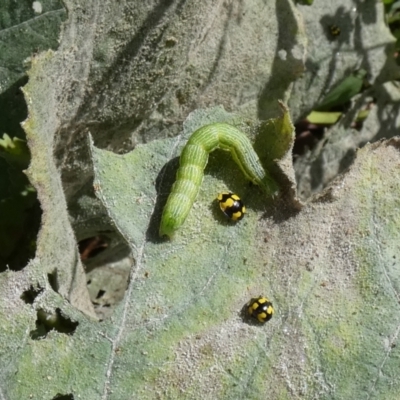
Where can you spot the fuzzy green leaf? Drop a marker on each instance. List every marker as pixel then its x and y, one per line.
pixel 133 75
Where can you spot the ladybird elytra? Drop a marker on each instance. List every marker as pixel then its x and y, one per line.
pixel 231 205
pixel 334 30
pixel 260 308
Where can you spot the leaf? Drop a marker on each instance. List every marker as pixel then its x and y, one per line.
pixel 132 76
pixel 25 28
pixel 221 268
pixel 329 270
pixel 325 118
pixel 343 92
pixel 56 261
pixel 15 151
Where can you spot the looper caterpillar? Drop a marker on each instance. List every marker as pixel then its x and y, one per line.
pixel 193 160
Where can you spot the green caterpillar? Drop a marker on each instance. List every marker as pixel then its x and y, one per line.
pixel 194 158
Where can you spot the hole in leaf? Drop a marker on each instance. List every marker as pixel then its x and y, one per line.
pixel 52 321
pixel 60 396
pixel 91 247
pixel 53 280
pixel 107 262
pixel 307 136
pixel 29 296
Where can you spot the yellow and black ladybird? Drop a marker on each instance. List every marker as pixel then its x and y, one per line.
pixel 334 30
pixel 231 206
pixel 260 308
